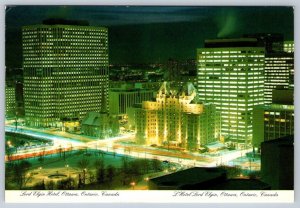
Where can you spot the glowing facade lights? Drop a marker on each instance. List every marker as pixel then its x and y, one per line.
pixel 65 72
pixel 234 83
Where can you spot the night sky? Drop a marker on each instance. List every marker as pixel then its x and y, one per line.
pixel 153 34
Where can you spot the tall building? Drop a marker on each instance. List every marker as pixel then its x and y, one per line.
pixel 65 71
pixel 288 46
pixel 279 72
pixel 125 96
pixel 177 119
pixel 272 42
pixel 272 122
pixel 231 76
pixel 10 100
pixel 279 61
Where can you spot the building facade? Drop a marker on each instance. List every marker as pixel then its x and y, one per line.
pixel 272 122
pixel 231 76
pixel 65 72
pixel 279 72
pixel 120 99
pixel 277 163
pixel 177 119
pixel 100 125
pixel 10 100
pixel 288 46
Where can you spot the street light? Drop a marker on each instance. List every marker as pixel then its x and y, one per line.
pixel 132 184
pixel 67 166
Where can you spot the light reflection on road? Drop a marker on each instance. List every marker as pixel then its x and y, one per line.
pixel 115 146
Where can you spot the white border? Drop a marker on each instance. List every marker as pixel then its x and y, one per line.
pixel 141 2
pixel 150 196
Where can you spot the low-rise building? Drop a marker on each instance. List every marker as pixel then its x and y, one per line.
pixel 125 96
pixel 100 125
pixel 272 122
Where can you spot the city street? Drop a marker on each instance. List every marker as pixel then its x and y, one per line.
pixel 64 141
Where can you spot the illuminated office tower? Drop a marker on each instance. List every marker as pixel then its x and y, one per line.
pixel 65 71
pixel 10 100
pixel 231 76
pixel 177 119
pixel 279 72
pixel 288 46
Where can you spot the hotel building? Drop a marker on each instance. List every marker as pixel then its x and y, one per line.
pixel 65 71
pixel 177 119
pixel 231 76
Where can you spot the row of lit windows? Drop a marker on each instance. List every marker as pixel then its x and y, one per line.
pixel 230 51
pixel 34 28
pixel 27 41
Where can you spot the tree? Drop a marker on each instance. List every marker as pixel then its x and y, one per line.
pixel 83 164
pixel 9 152
pixel 66 184
pixel 111 171
pixel 20 173
pixel 92 177
pixel 100 171
pixel 145 165
pixel 39 186
pixel 156 165
pixel 50 185
pixel 232 172
pixel 124 164
pixel 41 158
pixel 60 150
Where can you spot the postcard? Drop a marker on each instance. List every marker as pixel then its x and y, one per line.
pixel 187 104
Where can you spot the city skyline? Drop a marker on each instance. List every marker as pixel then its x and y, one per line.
pixel 149 98
pixel 157 33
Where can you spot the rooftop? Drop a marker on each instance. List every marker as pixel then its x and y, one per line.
pixel 240 184
pixel 189 176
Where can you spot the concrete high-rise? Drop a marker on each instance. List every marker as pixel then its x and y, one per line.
pixel 231 76
pixel 65 71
